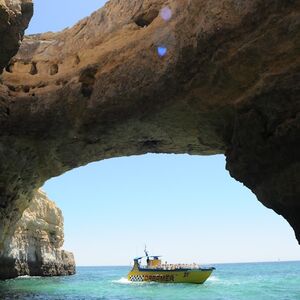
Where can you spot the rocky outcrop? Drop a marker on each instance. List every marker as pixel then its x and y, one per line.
pixel 198 77
pixel 14 19
pixel 35 247
pixel 264 152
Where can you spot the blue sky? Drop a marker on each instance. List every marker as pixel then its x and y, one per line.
pixel 54 15
pixel 185 207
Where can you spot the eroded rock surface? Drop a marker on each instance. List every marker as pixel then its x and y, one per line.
pixel 225 80
pixel 35 247
pixel 14 19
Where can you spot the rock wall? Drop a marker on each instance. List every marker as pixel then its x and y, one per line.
pixel 162 76
pixel 35 247
pixel 14 19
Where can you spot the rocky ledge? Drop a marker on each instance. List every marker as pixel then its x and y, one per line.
pixel 35 246
pixel 163 76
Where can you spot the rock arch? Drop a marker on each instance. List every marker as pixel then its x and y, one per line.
pixel 229 83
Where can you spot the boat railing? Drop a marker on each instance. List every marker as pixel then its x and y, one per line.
pixel 172 267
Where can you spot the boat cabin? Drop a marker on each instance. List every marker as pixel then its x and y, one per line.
pixel 153 262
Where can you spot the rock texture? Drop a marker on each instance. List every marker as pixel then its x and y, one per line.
pixel 163 76
pixel 35 247
pixel 14 19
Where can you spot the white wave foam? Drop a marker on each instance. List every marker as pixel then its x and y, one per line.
pixel 213 278
pixel 123 280
pixel 28 277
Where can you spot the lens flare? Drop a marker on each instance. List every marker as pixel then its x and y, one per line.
pixel 162 51
pixel 166 13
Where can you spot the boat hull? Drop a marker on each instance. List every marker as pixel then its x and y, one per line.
pixel 171 276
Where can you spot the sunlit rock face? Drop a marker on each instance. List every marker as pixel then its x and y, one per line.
pixel 35 247
pixel 14 18
pixel 198 77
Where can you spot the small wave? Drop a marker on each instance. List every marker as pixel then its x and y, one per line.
pixel 213 278
pixel 123 280
pixel 28 277
pixel 224 281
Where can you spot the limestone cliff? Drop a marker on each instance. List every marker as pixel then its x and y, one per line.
pixel 227 81
pixel 35 247
pixel 14 19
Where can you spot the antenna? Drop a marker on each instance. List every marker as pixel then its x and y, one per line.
pixel 146 252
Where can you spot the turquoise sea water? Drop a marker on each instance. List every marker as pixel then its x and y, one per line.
pixel 255 281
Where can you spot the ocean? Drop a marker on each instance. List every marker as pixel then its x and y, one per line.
pixel 249 281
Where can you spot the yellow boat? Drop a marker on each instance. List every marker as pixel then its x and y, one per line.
pixel 171 273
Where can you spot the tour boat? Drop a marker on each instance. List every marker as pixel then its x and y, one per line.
pixel 156 271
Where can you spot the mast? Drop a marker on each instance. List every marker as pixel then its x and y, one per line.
pixel 146 252
pixel 147 255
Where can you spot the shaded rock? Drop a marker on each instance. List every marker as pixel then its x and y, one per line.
pixel 227 81
pixel 264 152
pixel 14 19
pixel 35 247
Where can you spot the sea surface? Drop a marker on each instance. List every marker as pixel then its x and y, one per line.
pixel 255 281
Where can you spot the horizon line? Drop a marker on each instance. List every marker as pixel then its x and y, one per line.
pixel 218 263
